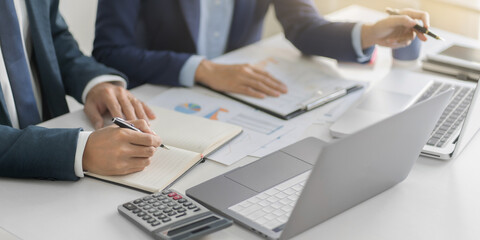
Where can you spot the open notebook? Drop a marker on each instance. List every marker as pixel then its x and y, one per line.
pixel 189 139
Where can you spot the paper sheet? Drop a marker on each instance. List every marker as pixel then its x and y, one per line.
pixel 304 79
pixel 258 127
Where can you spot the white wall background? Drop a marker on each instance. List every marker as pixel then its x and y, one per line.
pixel 80 16
pixel 463 15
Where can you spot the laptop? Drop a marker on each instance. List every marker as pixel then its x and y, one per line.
pixel 306 183
pixel 458 123
pixel 393 95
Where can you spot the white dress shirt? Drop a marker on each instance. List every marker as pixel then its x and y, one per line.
pixel 214 29
pixel 22 15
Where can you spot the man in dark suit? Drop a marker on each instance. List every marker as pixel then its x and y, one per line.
pixel 169 42
pixel 39 63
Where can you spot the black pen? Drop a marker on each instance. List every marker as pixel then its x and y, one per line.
pixel 417 27
pixel 124 124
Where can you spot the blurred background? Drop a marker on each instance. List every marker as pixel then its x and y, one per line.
pixel 458 16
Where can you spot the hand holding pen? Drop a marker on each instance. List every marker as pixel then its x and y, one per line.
pixel 124 124
pixel 422 29
pixel 395 31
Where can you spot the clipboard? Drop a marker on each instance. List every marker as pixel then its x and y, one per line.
pixel 311 103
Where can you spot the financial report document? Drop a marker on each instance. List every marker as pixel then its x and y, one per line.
pixel 306 85
pixel 306 80
pixel 258 127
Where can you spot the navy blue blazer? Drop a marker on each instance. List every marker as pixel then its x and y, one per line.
pixel 150 40
pixel 36 152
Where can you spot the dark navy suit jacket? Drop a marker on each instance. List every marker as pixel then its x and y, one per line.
pixel 150 40
pixel 36 152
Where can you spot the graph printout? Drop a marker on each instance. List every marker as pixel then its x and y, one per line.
pixel 258 128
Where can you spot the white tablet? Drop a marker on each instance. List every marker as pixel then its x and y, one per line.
pixel 463 56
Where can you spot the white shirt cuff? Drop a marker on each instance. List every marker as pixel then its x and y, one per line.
pixel 362 56
pixel 187 73
pixel 82 141
pixel 117 80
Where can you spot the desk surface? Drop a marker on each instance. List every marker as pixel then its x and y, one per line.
pixel 439 200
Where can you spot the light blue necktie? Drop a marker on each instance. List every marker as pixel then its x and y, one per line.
pixel 16 64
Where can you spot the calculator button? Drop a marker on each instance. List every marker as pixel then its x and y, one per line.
pixel 172 194
pixel 142 204
pixel 137 210
pixel 141 214
pixel 192 207
pixel 177 197
pixel 181 210
pixel 167 219
pixel 147 207
pixel 147 198
pixel 162 216
pixel 177 207
pixel 163 207
pixel 196 210
pixel 161 197
pixel 152 210
pixel 165 192
pixel 156 195
pixel 151 220
pixel 167 210
pixel 182 200
pixel 146 217
pixel 151 201
pixel 155 223
pixel 187 204
pixel 172 213
pixel 137 201
pixel 157 214
pixel 172 204
pixel 156 204
pixel 166 201
pixel 181 215
pixel 129 206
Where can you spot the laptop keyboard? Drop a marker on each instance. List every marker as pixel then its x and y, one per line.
pixel 453 115
pixel 272 208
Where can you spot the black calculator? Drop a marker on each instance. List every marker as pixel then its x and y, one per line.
pixel 171 215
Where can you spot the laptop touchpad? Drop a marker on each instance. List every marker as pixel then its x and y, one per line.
pixel 268 171
pixel 383 101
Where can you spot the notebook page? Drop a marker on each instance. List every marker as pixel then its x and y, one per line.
pixel 191 132
pixel 166 167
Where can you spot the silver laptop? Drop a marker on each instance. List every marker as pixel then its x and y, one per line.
pixel 304 184
pixel 458 123
pixel 401 90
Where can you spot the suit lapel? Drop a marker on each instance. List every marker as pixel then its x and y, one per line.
pixel 50 79
pixel 4 116
pixel 191 13
pixel 243 14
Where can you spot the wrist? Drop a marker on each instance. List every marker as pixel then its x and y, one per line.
pixel 204 71
pixel 368 36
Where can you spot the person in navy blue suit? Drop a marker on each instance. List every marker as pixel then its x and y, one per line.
pixel 39 64
pixel 170 41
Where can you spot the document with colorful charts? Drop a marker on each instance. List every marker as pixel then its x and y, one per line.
pixel 258 127
pixel 189 139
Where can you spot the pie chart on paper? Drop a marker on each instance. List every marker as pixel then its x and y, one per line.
pixel 188 108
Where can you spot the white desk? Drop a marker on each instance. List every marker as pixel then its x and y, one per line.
pixel 439 200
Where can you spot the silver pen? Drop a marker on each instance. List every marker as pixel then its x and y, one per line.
pixel 124 124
